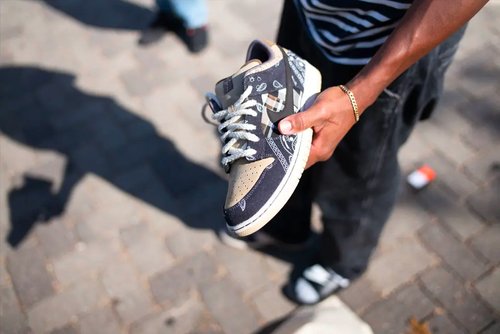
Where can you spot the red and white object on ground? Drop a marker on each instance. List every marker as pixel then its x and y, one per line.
pixel 421 177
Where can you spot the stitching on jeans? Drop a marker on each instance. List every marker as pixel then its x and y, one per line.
pixel 372 181
pixel 392 94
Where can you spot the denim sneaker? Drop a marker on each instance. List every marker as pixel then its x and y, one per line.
pixel 264 166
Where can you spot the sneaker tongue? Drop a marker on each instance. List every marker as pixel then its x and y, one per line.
pixel 230 89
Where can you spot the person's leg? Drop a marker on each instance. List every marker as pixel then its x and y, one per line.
pixel 187 18
pixel 360 183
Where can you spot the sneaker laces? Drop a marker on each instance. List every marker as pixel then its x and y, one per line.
pixel 234 129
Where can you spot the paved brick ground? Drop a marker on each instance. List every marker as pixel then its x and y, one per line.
pixel 115 131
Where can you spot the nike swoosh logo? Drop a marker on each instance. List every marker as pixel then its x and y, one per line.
pixel 275 117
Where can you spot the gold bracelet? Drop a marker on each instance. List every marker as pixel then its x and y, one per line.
pixel 353 101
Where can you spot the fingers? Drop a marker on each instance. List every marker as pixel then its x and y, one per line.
pixel 298 122
pixel 318 153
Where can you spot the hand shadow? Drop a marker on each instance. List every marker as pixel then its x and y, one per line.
pixel 32 202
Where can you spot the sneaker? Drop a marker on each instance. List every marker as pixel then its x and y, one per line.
pixel 315 284
pixel 259 240
pixel 196 39
pixel 161 24
pixel 264 166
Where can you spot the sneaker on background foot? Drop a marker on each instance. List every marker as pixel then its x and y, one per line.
pixel 196 39
pixel 161 24
pixel 314 284
pixel 264 166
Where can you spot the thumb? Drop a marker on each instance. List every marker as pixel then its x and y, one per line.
pixel 300 121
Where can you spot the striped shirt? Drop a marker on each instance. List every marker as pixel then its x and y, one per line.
pixel 349 32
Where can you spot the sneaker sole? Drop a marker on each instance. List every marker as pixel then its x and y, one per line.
pixel 292 177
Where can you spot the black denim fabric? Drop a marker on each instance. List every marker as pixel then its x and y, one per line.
pixel 357 188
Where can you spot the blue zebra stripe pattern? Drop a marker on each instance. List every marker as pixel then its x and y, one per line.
pixel 349 32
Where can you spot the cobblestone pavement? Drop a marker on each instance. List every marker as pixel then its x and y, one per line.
pixel 115 131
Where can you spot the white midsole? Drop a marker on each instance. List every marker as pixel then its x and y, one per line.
pixel 312 85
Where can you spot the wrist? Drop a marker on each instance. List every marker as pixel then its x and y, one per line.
pixel 364 90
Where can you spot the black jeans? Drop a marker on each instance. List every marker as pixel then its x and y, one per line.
pixel 357 188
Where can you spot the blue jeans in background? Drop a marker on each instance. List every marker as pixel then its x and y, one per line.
pixel 194 13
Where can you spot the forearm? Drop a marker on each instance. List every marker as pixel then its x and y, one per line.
pixel 426 24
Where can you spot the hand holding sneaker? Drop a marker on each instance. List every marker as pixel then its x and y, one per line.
pixel 330 117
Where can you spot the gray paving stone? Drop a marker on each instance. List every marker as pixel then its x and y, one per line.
pixel 156 195
pixel 485 202
pixel 5 280
pixel 86 260
pixel 99 320
pixel 446 116
pixel 131 298
pixel 405 220
pixel 454 253
pixel 163 289
pixel 198 269
pixel 447 145
pixel 148 253
pixel 493 329
pixel 55 238
pixel 481 138
pixel 450 175
pixel 488 289
pixel 68 329
pixel 271 303
pixel 487 243
pixel 160 222
pixel 360 295
pixel 392 315
pixel 12 319
pixel 225 302
pixel 451 213
pixel 132 306
pixel 186 318
pixel 134 153
pixel 463 305
pixel 137 82
pixel 485 165
pixel 207 325
pixel 135 178
pixel 119 278
pixel 59 310
pixel 414 152
pixel 278 269
pixel 187 242
pixel 90 158
pixel 49 167
pixel 389 270
pixel 237 263
pixel 204 83
pixel 28 271
pixel 441 324
pixel 107 134
pixel 106 220
pixel 89 112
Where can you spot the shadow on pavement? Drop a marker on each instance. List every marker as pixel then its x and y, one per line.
pixel 44 110
pixel 110 14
